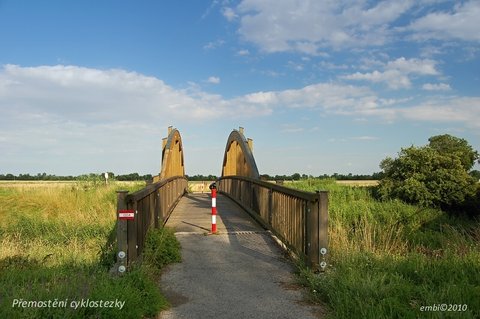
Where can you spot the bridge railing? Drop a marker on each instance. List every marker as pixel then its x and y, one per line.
pixel 150 206
pixel 299 219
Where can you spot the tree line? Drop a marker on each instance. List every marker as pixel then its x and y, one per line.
pixel 90 176
pixel 337 176
pixel 197 177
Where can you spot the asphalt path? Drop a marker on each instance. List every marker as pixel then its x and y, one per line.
pixel 239 273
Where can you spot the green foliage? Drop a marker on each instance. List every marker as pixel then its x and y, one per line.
pixel 432 175
pixel 134 177
pixel 200 178
pixel 56 243
pixel 372 286
pixel 388 258
pixel 459 147
pixel 475 174
pixel 84 177
pixel 30 280
pixel 161 248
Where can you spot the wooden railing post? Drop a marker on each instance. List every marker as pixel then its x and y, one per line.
pixel 158 213
pixel 323 227
pixel 132 235
pixel 122 245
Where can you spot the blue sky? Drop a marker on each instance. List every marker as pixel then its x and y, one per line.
pixel 320 86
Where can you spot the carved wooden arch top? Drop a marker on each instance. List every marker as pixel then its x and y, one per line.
pixel 172 155
pixel 238 158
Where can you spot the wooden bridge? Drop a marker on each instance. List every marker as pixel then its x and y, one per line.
pixel 298 219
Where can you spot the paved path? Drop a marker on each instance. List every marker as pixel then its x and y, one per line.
pixel 240 273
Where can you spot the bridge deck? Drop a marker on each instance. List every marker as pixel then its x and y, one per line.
pixel 240 273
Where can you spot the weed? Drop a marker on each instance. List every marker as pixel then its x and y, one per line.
pixel 57 243
pixel 387 259
pixel 162 248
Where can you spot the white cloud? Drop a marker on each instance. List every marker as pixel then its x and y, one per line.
pixel 462 23
pixel 394 78
pixel 295 66
pixel 243 52
pixel 418 66
pixel 334 98
pixel 82 95
pixel 365 138
pixel 60 94
pixel 332 66
pixel 98 119
pixel 73 114
pixel 291 128
pixel 214 44
pixel 362 102
pixel 396 74
pixel 464 110
pixel 213 80
pixel 85 94
pixel 229 13
pixel 436 87
pixel 260 98
pixel 309 25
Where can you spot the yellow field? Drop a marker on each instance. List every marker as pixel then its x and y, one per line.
pixel 359 183
pixel 342 182
pixel 45 184
pixel 199 186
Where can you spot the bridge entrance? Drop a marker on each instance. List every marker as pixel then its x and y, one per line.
pixel 299 219
pixel 239 272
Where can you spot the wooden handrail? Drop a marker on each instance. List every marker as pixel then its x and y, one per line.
pixel 144 192
pixel 299 219
pixel 281 189
pixel 150 207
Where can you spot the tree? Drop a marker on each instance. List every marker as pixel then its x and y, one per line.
pixel 475 174
pixel 448 144
pixel 432 175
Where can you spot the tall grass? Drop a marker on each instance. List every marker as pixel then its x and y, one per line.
pixel 56 244
pixel 388 259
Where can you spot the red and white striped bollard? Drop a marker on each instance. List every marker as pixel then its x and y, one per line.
pixel 214 208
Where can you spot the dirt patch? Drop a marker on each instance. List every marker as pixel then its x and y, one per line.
pixel 290 285
pixel 174 298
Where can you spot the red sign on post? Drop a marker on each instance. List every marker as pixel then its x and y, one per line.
pixel 126 214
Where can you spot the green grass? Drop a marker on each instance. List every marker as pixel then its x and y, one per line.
pixel 56 245
pixel 388 259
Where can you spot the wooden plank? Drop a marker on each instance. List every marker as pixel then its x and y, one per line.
pixel 313 238
pixel 132 235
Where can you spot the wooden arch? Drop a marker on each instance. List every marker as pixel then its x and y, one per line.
pixel 172 156
pixel 238 158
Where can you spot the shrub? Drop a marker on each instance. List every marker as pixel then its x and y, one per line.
pixel 432 175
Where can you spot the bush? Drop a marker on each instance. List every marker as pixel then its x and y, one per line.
pixel 433 175
pixel 161 248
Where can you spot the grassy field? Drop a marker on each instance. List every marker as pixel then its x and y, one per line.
pixel 56 250
pixel 199 186
pixel 393 260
